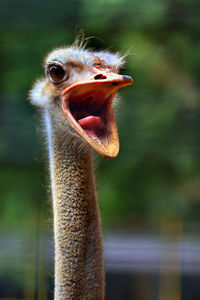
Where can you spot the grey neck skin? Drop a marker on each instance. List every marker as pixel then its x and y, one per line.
pixel 79 272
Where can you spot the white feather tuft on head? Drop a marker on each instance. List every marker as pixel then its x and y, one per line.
pixel 38 95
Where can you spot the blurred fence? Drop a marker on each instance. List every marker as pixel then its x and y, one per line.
pixel 138 266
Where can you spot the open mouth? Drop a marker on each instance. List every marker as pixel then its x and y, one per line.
pixel 88 107
pixel 89 110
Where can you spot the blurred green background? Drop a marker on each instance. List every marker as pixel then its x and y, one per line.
pixel 153 187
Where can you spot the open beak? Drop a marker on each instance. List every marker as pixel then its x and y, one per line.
pixel 88 108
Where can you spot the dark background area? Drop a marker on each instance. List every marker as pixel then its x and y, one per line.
pixel 150 194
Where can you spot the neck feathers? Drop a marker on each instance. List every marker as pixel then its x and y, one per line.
pixel 77 232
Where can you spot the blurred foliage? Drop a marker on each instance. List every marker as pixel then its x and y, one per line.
pixel 157 173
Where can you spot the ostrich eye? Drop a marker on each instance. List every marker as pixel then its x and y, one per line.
pixel 122 70
pixel 56 73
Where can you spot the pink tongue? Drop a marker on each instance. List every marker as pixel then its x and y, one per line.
pixel 92 125
pixel 90 121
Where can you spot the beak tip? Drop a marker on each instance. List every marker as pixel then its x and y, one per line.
pixel 128 79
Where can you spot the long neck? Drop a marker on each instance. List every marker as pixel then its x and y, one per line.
pixel 79 270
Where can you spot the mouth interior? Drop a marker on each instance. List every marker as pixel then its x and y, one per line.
pixel 90 110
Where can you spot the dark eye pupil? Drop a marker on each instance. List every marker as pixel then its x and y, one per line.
pixel 56 73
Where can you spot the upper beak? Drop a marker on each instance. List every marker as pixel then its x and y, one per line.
pixel 116 80
pixel 95 121
pixel 119 80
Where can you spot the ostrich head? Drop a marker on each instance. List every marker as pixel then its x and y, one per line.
pixel 80 89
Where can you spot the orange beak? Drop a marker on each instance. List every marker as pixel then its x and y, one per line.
pixel 88 108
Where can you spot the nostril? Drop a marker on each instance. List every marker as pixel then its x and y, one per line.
pixel 100 76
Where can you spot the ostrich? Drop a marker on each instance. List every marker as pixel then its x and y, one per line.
pixel 75 99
